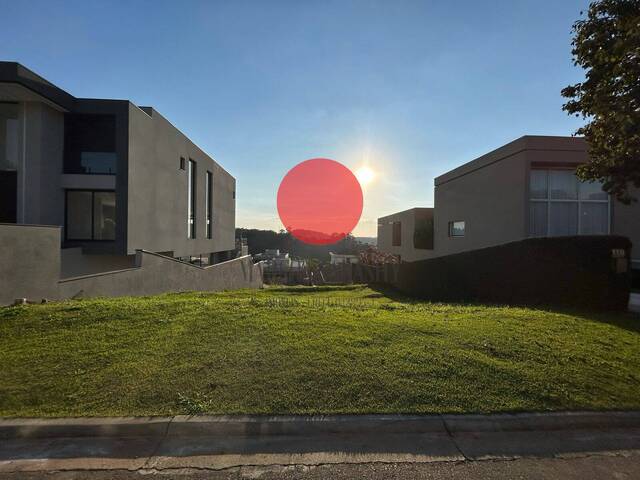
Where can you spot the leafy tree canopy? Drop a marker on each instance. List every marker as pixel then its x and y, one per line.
pixel 607 45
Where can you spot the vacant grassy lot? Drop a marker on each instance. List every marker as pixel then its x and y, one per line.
pixel 303 350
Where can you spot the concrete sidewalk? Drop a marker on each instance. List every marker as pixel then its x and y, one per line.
pixel 219 443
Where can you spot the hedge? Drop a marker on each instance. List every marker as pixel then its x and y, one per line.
pixel 564 271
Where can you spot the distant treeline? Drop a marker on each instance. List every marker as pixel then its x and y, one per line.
pixel 260 240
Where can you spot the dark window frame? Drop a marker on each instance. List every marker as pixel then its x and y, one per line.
pixel 451 226
pixel 209 204
pixel 66 210
pixel 191 199
pixel 396 234
pixel 183 163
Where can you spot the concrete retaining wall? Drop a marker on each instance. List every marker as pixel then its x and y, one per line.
pixel 76 263
pixel 158 274
pixel 30 268
pixel 29 262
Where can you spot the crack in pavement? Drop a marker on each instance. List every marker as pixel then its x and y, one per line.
pixel 455 443
pixel 159 444
pixel 150 470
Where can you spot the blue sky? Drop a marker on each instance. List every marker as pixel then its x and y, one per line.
pixel 411 88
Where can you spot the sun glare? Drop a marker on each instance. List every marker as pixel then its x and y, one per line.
pixel 365 175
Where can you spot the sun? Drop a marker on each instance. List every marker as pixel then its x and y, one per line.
pixel 365 175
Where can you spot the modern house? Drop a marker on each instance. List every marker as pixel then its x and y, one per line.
pixel 400 234
pixel 526 188
pixel 115 177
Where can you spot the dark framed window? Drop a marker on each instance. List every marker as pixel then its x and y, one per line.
pixel 191 209
pixel 396 239
pixel 90 144
pixel 90 215
pixel 183 163
pixel 209 203
pixel 456 229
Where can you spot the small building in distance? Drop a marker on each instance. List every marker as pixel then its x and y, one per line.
pixel 342 258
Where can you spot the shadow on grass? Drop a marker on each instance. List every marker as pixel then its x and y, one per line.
pixel 304 290
pixel 392 293
pixel 627 320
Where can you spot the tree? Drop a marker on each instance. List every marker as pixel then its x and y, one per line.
pixel 607 45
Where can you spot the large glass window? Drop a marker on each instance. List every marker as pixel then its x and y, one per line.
pixel 104 216
pixel 9 136
pixel 594 218
pixel 563 185
pixel 90 144
pixel 9 148
pixel 538 218
pixel 560 204
pixel 563 218
pixel 538 184
pixel 191 200
pixel 208 203
pixel 90 215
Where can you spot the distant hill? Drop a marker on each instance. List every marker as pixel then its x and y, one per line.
pixel 368 240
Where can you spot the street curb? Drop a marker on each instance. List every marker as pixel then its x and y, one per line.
pixel 300 425
pixel 83 427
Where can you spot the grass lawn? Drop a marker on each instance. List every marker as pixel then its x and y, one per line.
pixel 310 350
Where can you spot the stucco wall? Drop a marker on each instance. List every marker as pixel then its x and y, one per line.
pixel 490 200
pixel 157 215
pixel 74 262
pixel 29 262
pixel 40 197
pixel 158 274
pixel 407 219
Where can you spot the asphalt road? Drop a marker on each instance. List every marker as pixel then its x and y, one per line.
pixel 597 467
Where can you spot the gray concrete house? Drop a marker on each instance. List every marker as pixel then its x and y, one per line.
pixel 114 179
pixel 526 188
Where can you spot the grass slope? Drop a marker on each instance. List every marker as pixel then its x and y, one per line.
pixel 310 350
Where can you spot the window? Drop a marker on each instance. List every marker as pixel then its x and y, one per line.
pixel 191 200
pixel 456 229
pixel 560 205
pixel 208 202
pixel 183 163
pixel 397 234
pixel 90 144
pixel 9 133
pixel 90 215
